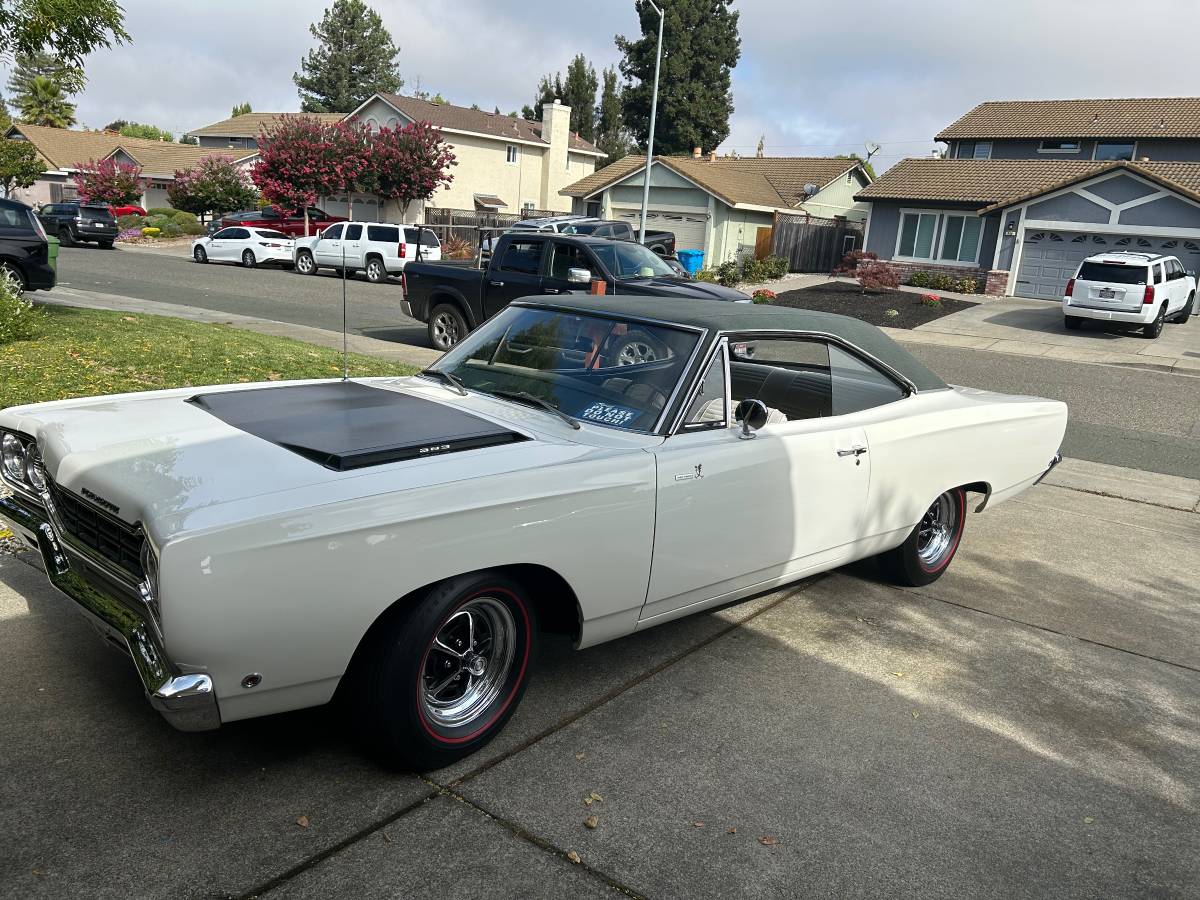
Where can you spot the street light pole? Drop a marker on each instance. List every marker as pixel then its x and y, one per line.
pixel 653 113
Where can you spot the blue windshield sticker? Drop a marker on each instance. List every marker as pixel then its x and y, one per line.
pixel 609 414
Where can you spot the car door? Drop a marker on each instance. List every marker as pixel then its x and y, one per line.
pixel 1177 281
pixel 565 256
pixel 736 515
pixel 328 248
pixel 518 273
pixel 222 243
pixel 352 245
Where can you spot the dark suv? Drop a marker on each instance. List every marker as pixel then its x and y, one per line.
pixel 74 223
pixel 25 252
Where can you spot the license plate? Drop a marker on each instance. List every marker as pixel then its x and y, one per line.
pixel 1107 293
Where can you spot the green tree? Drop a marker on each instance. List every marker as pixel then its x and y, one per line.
pixel 215 184
pixel 70 28
pixel 189 139
pixel 870 169
pixel 40 63
pixel 700 48
pixel 355 57
pixel 116 125
pixel 549 88
pixel 146 132
pixel 43 103
pixel 611 136
pixel 20 165
pixel 240 109
pixel 576 90
pixel 5 118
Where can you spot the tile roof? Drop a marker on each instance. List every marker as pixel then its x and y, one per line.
pixel 477 121
pixel 1146 117
pixel 252 124
pixel 64 149
pixel 773 181
pixel 994 183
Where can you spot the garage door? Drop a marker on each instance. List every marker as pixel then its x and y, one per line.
pixel 1049 258
pixel 689 230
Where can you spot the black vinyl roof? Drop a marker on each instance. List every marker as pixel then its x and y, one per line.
pixel 718 316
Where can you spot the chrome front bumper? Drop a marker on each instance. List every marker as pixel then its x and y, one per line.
pixel 187 701
pixel 1050 468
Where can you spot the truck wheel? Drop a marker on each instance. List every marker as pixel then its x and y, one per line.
pixel 65 237
pixel 928 550
pixel 439 679
pixel 376 273
pixel 305 264
pixel 446 326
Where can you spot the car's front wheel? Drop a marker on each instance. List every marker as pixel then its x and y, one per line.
pixel 446 326
pixel 1154 329
pixel 65 237
pixel 439 679
pixel 199 255
pixel 928 550
pixel 305 264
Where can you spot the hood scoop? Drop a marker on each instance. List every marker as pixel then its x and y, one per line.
pixel 345 425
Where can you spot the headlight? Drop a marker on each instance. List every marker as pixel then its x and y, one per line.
pixel 13 452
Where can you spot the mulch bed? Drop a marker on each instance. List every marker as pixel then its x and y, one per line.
pixel 849 300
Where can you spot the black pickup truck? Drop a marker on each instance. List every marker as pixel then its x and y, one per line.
pixel 452 299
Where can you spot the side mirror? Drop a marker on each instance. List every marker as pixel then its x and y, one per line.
pixel 752 414
pixel 579 276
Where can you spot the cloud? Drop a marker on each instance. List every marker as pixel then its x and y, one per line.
pixel 814 79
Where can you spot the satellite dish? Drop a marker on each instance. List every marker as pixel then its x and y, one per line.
pixel 811 190
pixel 872 148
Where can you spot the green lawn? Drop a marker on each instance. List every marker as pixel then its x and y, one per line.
pixel 82 352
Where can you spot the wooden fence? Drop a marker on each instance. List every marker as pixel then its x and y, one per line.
pixel 810 244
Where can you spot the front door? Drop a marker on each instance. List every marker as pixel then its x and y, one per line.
pixel 516 274
pixel 352 245
pixel 737 513
pixel 563 258
pixel 328 248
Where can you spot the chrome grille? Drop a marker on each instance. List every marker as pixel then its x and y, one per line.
pixel 112 539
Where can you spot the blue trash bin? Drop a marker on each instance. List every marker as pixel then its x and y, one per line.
pixel 692 260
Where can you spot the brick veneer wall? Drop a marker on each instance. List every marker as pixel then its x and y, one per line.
pixel 994 281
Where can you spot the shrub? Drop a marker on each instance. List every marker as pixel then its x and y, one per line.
pixel 920 279
pixel 458 248
pixel 127 222
pixel 149 231
pixel 776 266
pixel 192 228
pixel 161 211
pixel 876 276
pixel 158 220
pixel 19 320
pixel 171 230
pixel 931 300
pixel 851 260
pixel 967 285
pixel 707 275
pixel 129 234
pixel 754 271
pixel 180 217
pixel 762 295
pixel 728 274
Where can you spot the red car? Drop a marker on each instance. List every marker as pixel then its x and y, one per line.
pixel 127 210
pixel 290 223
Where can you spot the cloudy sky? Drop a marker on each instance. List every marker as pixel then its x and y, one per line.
pixel 815 78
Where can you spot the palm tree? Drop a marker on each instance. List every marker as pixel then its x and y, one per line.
pixel 44 103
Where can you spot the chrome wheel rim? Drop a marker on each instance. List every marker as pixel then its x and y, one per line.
pixel 445 330
pixel 636 352
pixel 374 272
pixel 304 263
pixel 198 254
pixel 935 533
pixel 468 663
pixel 248 258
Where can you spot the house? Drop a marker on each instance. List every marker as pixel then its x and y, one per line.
pixel 1028 189
pixel 504 163
pixel 63 150
pixel 718 204
pixel 241 132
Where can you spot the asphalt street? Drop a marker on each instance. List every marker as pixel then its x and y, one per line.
pixel 1132 417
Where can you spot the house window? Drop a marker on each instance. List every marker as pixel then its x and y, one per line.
pixel 1059 147
pixel 960 239
pixel 511 158
pixel 958 243
pixel 1114 150
pixel 983 150
pixel 916 235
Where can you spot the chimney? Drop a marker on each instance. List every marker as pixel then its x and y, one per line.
pixel 712 157
pixel 556 131
pixel 697 153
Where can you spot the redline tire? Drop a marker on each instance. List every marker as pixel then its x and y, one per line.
pixel 928 551
pixel 413 709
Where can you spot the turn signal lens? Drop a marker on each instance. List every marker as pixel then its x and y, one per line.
pixel 1149 296
pixel 1071 288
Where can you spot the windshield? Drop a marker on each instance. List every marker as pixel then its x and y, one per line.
pixel 625 260
pixel 595 369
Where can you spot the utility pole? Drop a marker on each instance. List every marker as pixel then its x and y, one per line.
pixel 653 113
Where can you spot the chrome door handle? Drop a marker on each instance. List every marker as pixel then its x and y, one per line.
pixel 496 283
pixel 856 450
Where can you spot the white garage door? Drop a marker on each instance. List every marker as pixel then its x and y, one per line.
pixel 689 230
pixel 1049 258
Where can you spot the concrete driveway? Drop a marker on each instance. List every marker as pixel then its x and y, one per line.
pixel 1025 727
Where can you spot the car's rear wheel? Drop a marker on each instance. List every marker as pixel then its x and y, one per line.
pixel 200 255
pixel 15 275
pixel 248 258
pixel 1073 323
pixel 305 264
pixel 438 680
pixel 65 237
pixel 928 550
pixel 446 326
pixel 1154 329
pixel 376 273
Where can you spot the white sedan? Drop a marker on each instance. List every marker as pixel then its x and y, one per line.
pixel 256 546
pixel 249 246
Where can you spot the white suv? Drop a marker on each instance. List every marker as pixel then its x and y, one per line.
pixel 378 248
pixel 1135 288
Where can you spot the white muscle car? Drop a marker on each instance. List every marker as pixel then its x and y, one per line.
pixel 603 464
